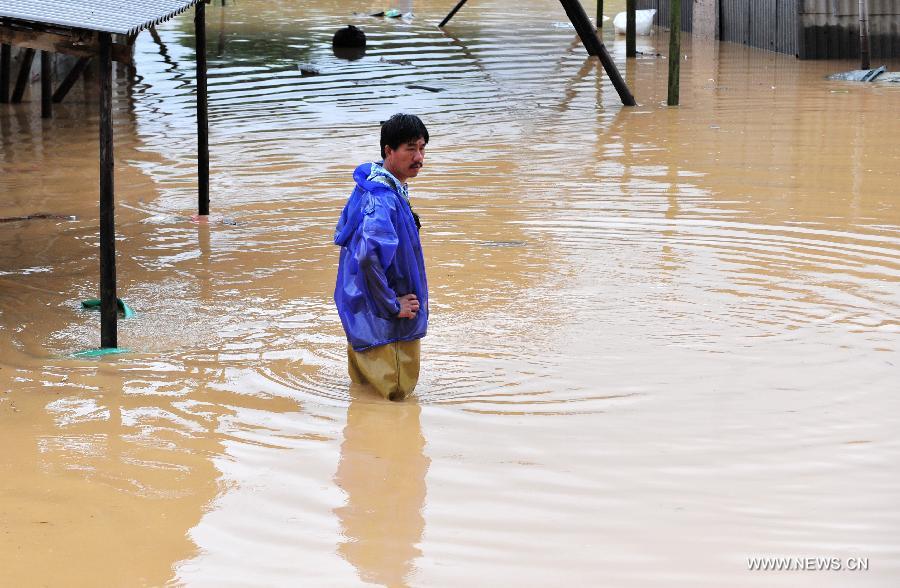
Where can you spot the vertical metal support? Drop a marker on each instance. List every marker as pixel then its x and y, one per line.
pixel 594 46
pixel 452 12
pixel 5 65
pixel 864 48
pixel 24 76
pixel 630 28
pixel 599 14
pixel 46 86
pixel 202 111
pixel 674 53
pixel 108 310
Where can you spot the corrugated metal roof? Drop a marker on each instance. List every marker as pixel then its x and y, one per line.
pixel 108 16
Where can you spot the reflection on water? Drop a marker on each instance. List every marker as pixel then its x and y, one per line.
pixel 663 339
pixel 382 470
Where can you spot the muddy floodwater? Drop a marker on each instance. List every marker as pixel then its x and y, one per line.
pixel 663 340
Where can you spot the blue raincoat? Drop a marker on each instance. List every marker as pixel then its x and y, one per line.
pixel 381 260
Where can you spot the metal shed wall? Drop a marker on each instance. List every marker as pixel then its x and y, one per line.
pixel 809 29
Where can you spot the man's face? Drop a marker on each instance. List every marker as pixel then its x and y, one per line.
pixel 406 160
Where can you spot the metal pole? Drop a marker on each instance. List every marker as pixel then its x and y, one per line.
pixel 674 52
pixel 630 29
pixel 5 65
pixel 452 12
pixel 594 46
pixel 864 48
pixel 599 14
pixel 46 86
pixel 108 310
pixel 202 111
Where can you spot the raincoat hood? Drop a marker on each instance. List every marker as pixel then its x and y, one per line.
pixel 381 260
pixel 369 178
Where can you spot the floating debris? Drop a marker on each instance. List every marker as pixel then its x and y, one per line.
pixel 504 243
pixel 859 75
pixel 38 215
pixel 426 88
pixel 307 70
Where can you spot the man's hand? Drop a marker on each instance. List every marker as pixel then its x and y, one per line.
pixel 409 306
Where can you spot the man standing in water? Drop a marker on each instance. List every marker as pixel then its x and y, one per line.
pixel 381 292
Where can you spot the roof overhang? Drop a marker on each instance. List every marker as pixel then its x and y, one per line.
pixel 122 17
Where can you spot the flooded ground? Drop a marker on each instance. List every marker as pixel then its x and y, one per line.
pixel 662 340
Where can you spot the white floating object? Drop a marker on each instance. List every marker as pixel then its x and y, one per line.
pixel 643 22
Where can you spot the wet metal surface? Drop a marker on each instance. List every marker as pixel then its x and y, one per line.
pixel 662 340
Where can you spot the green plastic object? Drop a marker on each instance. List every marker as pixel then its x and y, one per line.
pixel 393 13
pixel 91 353
pixel 126 310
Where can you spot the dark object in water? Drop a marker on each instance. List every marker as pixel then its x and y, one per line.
pixel 307 69
pixel 37 215
pixel 349 36
pixel 426 88
pixel 349 53
pixel 859 75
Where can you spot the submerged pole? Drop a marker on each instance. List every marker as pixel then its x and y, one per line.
pixel 452 12
pixel 674 52
pixel 24 75
pixel 5 65
pixel 630 29
pixel 202 112
pixel 594 46
pixel 864 48
pixel 108 309
pixel 70 79
pixel 46 86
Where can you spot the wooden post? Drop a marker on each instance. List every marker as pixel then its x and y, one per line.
pixel 5 65
pixel 452 12
pixel 202 112
pixel 46 86
pixel 864 48
pixel 594 46
pixel 674 52
pixel 24 75
pixel 108 310
pixel 599 14
pixel 630 29
pixel 70 79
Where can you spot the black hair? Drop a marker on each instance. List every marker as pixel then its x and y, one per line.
pixel 400 129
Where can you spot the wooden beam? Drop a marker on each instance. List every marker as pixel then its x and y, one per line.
pixel 452 12
pixel 70 79
pixel 674 52
pixel 202 112
pixel 108 305
pixel 864 46
pixel 5 66
pixel 24 76
pixel 630 28
pixel 46 86
pixel 594 46
pixel 77 43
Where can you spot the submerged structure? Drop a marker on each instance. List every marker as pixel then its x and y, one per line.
pixel 103 31
pixel 808 29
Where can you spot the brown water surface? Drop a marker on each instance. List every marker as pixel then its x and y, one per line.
pixel 663 340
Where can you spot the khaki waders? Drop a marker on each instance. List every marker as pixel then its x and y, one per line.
pixel 392 369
